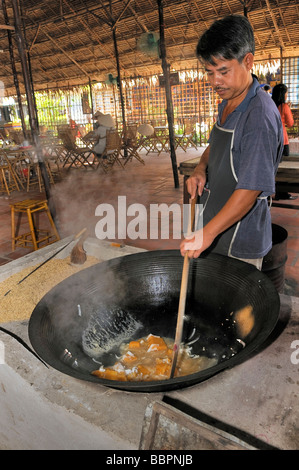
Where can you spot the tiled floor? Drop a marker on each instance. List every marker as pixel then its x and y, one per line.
pixel 80 196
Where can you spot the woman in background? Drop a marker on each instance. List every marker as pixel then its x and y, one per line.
pixel 279 96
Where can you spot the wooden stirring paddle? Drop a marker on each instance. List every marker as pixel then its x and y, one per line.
pixel 183 294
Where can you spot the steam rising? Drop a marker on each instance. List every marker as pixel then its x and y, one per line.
pixel 77 196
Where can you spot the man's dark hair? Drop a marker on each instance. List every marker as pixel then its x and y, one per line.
pixel 229 38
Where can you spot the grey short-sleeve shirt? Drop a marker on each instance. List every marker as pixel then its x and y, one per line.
pixel 256 152
pixel 258 140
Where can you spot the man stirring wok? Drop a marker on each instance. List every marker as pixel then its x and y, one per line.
pixel 236 173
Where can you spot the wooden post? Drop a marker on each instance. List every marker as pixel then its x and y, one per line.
pixel 90 94
pixel 112 23
pixel 14 70
pixel 31 110
pixel 141 107
pixel 119 84
pixel 281 65
pixel 169 105
pixel 120 89
pixel 29 70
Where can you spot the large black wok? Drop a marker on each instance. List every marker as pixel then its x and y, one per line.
pixel 81 322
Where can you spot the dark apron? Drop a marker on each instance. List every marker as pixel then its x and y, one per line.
pixel 221 184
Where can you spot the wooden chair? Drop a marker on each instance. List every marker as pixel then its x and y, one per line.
pixel 63 130
pixel 131 144
pixel 6 155
pixel 152 143
pixel 52 148
pixel 8 179
pixel 162 138
pixel 187 138
pixel 53 156
pixel 145 142
pixel 20 162
pixel 113 151
pixel 27 170
pixel 34 176
pixel 16 136
pixel 90 139
pixel 4 136
pixel 76 157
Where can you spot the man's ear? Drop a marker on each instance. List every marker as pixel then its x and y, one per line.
pixel 248 60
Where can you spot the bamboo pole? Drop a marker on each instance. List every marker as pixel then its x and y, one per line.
pixel 31 111
pixel 119 83
pixel 114 99
pixel 169 105
pixel 140 100
pixel 30 71
pixel 112 23
pixel 281 65
pixel 91 97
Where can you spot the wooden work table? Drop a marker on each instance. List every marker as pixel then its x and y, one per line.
pixel 287 178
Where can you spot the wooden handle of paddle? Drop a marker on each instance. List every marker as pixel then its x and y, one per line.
pixel 80 234
pixel 183 295
pixel 192 214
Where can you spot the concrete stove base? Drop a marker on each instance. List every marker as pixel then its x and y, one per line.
pixel 41 408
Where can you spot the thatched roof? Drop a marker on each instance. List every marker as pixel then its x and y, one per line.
pixel 71 41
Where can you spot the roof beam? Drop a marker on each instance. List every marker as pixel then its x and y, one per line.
pixel 91 32
pixel 141 24
pixel 275 24
pixel 6 26
pixel 121 14
pixel 66 54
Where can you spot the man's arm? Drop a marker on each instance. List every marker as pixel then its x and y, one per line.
pixel 237 206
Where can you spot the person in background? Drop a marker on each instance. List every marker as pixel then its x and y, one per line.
pixel 105 122
pixel 267 89
pixel 236 173
pixel 279 96
pixel 95 117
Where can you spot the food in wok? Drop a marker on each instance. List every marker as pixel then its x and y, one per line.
pixel 150 358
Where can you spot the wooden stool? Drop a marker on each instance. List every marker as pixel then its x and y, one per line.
pixel 35 237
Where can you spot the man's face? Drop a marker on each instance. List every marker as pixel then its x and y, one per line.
pixel 230 78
